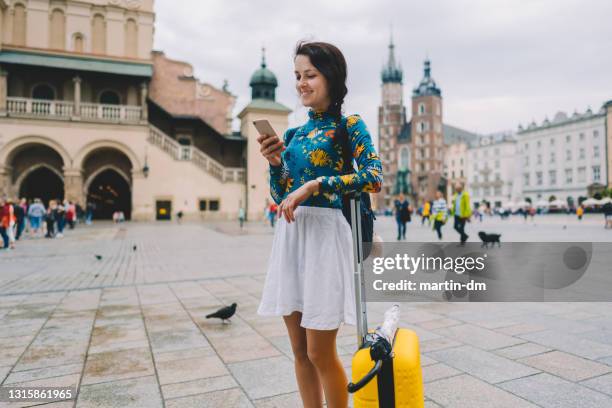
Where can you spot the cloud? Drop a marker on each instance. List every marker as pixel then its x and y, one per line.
pixel 498 63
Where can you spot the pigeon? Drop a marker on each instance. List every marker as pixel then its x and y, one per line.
pixel 134 248
pixel 98 257
pixel 224 313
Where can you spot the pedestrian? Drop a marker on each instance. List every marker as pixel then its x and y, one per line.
pixel 8 221
pixel 36 213
pixel 579 212
pixel 71 214
pixel 439 213
pixel 402 215
pixel 241 216
pixel 607 210
pixel 20 216
pixel 425 213
pixel 89 210
pixel 50 219
pixel 4 217
pixel 272 210
pixel 60 219
pixel 310 274
pixel 461 209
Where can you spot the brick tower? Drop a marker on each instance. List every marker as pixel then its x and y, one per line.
pixel 391 118
pixel 427 137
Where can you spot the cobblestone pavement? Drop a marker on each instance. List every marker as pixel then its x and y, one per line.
pixel 129 328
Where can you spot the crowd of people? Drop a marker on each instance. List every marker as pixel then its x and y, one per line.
pixel 32 217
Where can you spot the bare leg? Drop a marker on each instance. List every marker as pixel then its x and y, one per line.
pixel 305 372
pixel 322 353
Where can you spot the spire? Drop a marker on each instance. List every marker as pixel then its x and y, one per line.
pixel 263 57
pixel 391 72
pixel 427 68
pixel 427 86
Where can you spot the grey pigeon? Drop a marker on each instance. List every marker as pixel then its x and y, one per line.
pixel 224 313
pixel 98 257
pixel 134 248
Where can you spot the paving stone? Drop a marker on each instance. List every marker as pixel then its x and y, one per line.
pixel 292 399
pixel 243 348
pixel 550 391
pixel 477 336
pixel 172 340
pixel 199 386
pixel 233 397
pixel 439 323
pixel 189 369
pixel 566 365
pixel 482 364
pixel 140 392
pixel 184 354
pixel 118 365
pixel 521 350
pixel 570 343
pixel 602 383
pixel 40 373
pixel 520 328
pixel 437 371
pixel 464 391
pixel 438 344
pixel 266 377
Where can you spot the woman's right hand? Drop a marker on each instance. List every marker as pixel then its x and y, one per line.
pixel 271 148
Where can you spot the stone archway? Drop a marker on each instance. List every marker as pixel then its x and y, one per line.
pixel 41 181
pixel 108 191
pixel 107 173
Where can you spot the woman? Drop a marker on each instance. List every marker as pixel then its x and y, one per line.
pixel 310 279
pixel 439 213
pixel 402 215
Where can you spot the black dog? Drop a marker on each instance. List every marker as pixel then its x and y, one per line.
pixel 489 238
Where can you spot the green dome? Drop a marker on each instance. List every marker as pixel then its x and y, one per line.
pixel 263 76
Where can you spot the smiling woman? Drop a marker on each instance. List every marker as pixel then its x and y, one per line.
pixel 309 280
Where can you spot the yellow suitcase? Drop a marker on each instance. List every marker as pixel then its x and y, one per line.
pixel 383 375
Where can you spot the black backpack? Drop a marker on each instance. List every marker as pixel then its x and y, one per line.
pixel 367 215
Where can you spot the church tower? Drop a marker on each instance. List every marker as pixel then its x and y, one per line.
pixel 427 137
pixel 263 105
pixel 391 119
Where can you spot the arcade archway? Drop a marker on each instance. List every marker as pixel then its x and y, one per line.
pixel 42 182
pixel 109 191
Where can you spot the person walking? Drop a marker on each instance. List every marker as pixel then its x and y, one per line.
pixel 310 273
pixel 89 209
pixel 579 212
pixel 71 214
pixel 50 219
pixel 461 210
pixel 402 215
pixel 60 219
pixel 36 212
pixel 426 212
pixel 20 216
pixel 272 210
pixel 439 213
pixel 241 216
pixel 4 216
pixel 8 221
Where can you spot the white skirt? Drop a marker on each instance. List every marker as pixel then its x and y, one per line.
pixel 311 270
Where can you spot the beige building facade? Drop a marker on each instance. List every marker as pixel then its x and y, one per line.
pixel 88 113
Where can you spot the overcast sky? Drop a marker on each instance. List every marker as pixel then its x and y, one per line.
pixel 499 63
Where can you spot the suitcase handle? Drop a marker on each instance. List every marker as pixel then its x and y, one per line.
pixel 366 378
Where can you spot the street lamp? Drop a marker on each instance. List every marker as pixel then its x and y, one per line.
pixel 145 168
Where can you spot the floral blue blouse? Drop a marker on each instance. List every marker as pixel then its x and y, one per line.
pixel 312 152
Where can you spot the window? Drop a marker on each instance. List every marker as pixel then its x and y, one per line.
pixel 568 138
pixel 43 91
pixel 526 160
pixel 581 153
pixel 461 174
pixel 596 151
pixel 552 157
pixel 569 176
pixel 539 178
pixel 78 42
pixel 19 25
pixel 453 174
pixel 131 38
pixel 497 177
pixel 552 142
pixel 596 173
pixel 595 134
pixel 496 151
pixel 58 30
pixel 213 205
pixel 526 179
pixel 539 159
pixel 539 144
pixel 203 205
pixel 421 108
pixel 404 158
pixel 581 174
pixel 526 146
pixel 568 155
pixel 461 162
pixel 487 191
pixel 552 177
pixel 98 34
pixel 581 137
pixel 476 178
pixel 498 191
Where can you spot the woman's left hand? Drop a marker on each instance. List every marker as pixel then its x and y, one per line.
pixel 293 200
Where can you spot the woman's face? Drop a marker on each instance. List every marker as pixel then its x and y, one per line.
pixel 310 84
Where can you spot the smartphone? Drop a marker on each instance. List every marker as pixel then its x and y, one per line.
pixel 264 127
